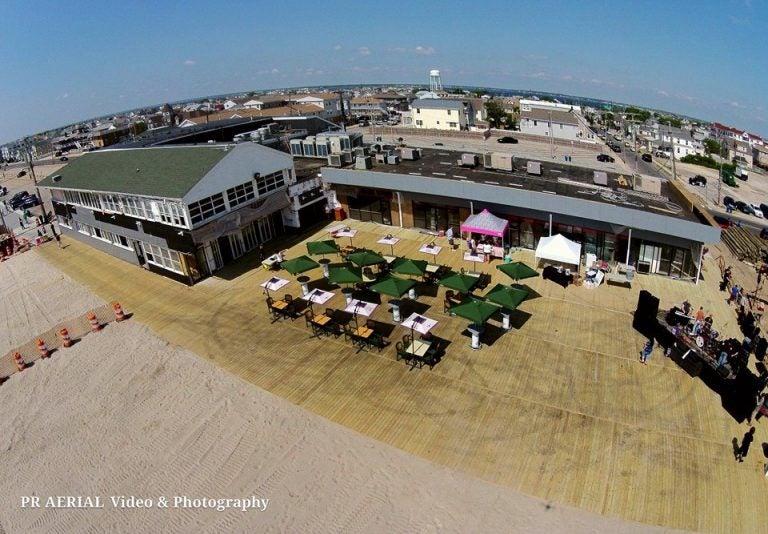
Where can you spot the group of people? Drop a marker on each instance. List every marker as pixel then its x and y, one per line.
pixel 484 246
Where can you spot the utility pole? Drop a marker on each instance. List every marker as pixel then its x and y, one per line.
pixel 31 164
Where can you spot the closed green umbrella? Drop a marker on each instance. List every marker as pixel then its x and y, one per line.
pixel 322 247
pixel 345 275
pixel 459 282
pixel 409 266
pixel 509 297
pixel 299 265
pixel 517 270
pixel 392 286
pixel 476 310
pixel 364 258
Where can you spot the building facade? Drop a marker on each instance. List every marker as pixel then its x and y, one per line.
pixel 183 212
pixel 437 114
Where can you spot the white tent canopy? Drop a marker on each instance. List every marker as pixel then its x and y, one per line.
pixel 560 249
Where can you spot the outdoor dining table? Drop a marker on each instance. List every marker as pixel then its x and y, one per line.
pixel 362 337
pixel 347 232
pixel 391 241
pixel 428 248
pixel 274 284
pixel 360 307
pixel 320 324
pixel 281 308
pixel 474 258
pixel 418 347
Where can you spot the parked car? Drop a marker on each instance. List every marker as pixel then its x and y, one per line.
pixel 764 233
pixel 743 207
pixel 697 180
pixel 646 157
pixel 764 208
pixel 63 158
pixel 21 173
pixel 756 211
pixel 3 190
pixel 507 139
pixel 605 158
pixel 616 148
pixel 729 201
pixel 723 222
pixel 17 199
pixel 28 202
pixel 438 144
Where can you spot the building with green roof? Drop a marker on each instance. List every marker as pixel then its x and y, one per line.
pixel 183 211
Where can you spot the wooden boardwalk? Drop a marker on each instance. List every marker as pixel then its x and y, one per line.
pixel 559 408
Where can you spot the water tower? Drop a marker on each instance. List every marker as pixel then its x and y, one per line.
pixel 435 83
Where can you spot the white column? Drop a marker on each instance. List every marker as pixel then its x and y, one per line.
pixel 629 243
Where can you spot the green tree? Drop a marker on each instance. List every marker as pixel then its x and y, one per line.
pixel 479 92
pixel 713 146
pixel 495 113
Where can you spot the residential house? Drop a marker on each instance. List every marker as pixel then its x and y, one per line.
pixel 740 152
pixel 560 121
pixel 438 114
pixel 681 141
pixel 235 103
pixel 328 102
pixel 367 106
pixel 183 212
pixel 264 102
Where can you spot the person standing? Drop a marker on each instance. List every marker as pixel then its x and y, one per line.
pixel 21 223
pixel 734 293
pixel 449 235
pixel 762 407
pixel 646 352
pixel 746 441
pixel 57 237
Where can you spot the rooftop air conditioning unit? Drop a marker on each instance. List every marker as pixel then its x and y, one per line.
pixel 534 167
pixel 361 151
pixel 376 147
pixel 393 160
pixel 409 153
pixel 363 163
pixel 334 160
pixel 381 158
pixel 488 160
pixel 346 156
pixel 469 160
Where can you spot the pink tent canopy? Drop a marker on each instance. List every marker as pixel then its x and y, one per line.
pixel 485 223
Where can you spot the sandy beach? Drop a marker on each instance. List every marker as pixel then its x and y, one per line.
pixel 124 413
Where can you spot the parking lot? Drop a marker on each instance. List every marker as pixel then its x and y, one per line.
pixel 9 178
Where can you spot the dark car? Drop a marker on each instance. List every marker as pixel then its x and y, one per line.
pixel 506 139
pixel 646 157
pixel 728 201
pixel 764 233
pixel 743 207
pixel 28 202
pixel 438 144
pixel 723 222
pixel 63 158
pixel 3 190
pixel 764 208
pixel 616 148
pixel 17 199
pixel 21 173
pixel 605 158
pixel 697 180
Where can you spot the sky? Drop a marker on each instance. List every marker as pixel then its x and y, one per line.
pixel 65 62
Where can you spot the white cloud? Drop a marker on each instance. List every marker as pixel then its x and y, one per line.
pixel 536 75
pixel 364 51
pixel 337 47
pixel 424 51
pixel 275 71
pixel 737 105
pixel 661 92
pixel 189 62
pixel 566 77
pixel 65 95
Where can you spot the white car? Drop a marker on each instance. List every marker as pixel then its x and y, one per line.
pixel 757 211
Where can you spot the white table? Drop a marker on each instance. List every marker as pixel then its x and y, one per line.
pixel 432 267
pixel 419 323
pixel 361 307
pixel 350 233
pixel 319 296
pixel 418 347
pixel 430 249
pixel 391 241
pixel 274 284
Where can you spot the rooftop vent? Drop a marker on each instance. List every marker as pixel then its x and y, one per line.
pixel 56 178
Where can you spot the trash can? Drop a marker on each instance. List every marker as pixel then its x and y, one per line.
pixel 324 263
pixel 338 214
pixel 475 330
pixel 347 292
pixel 395 310
pixel 304 281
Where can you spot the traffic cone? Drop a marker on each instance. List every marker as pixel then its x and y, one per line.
pixel 20 364
pixel 65 339
pixel 119 315
pixel 42 348
pixel 95 326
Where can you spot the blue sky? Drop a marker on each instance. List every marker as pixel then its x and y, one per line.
pixel 63 62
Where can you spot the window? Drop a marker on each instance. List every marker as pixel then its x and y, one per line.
pixel 162 257
pixel 206 208
pixel 239 194
pixel 418 110
pixel 452 124
pixel 535 123
pixel 122 241
pixel 111 203
pixel 449 112
pixel 419 122
pixel 270 182
pixel 169 213
pixel 66 222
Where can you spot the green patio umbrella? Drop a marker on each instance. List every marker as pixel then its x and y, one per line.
pixel 364 258
pixel 509 297
pixel 476 310
pixel 459 282
pixel 322 247
pixel 345 275
pixel 299 265
pixel 409 266
pixel 392 286
pixel 517 270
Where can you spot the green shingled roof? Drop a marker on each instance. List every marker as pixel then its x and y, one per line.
pixel 161 172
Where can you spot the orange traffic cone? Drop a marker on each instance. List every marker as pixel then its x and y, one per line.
pixel 42 348
pixel 119 315
pixel 95 326
pixel 65 339
pixel 20 364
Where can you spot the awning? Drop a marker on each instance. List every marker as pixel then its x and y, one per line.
pixel 485 223
pixel 235 220
pixel 559 248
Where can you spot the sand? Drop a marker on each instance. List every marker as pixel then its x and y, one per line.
pixel 123 413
